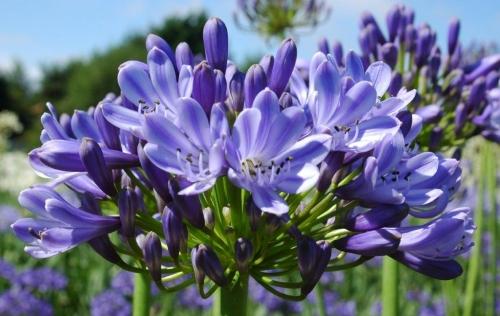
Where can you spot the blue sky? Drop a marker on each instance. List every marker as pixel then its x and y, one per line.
pixel 38 32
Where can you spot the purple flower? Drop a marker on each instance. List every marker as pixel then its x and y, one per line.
pixel 123 282
pixel 7 271
pixel 110 302
pixel 266 153
pixel 15 302
pixel 59 225
pixel 42 279
pixel 191 147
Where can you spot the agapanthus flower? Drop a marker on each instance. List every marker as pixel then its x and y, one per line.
pixel 266 152
pixel 59 225
pixel 110 302
pixel 41 279
pixel 17 302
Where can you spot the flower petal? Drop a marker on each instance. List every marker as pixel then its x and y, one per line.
pixel 379 73
pixel 299 179
pixel 193 120
pixel 269 201
pixel 163 76
pixel 246 131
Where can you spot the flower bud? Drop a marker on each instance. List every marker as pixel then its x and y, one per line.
pixel 183 55
pixel 255 82
pixel 236 91
pixel 188 205
pixel 283 66
pixel 367 19
pixel 254 213
pixel 430 113
pixel 338 53
pixel 204 86
pixel 93 159
pixel 220 86
pixel 215 41
pixel 410 36
pixel 267 64
pixel 424 45
pixel 396 84
pixel 153 41
pixel 476 94
pixel 453 32
pixel 152 256
pixel 127 206
pixel 460 117
pixel 378 242
pixel 175 231
pixel 243 252
pixel 435 138
pixel 486 65
pixel 393 18
pixel 207 263
pixel 377 217
pixel 313 258
pixel 109 133
pixel 389 54
pixel 367 41
pixel 208 216
pixel 492 80
pixel 323 46
pixel 437 269
pixel 329 166
pixel 156 176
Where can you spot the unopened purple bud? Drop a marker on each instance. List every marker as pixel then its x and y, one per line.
pixel 283 66
pixel 378 217
pixel 411 35
pixel 456 58
pixel 204 80
pixel 152 256
pixel 424 45
pixel 183 55
pixel 110 133
pixel 65 121
pixel 438 269
pixel 155 41
pixel 286 100
pixel 393 20
pixel 267 63
pixel 396 84
pixel 215 40
pixel 236 91
pixel 435 62
pixel 328 168
pixel 460 117
pixel 453 32
pixel 338 53
pixel 207 262
pixel 220 86
pixel 157 177
pixel 486 65
pixel 389 54
pixel 127 206
pixel 367 41
pixel 188 205
pixel 255 82
pixel 406 121
pixel 93 159
pixel 435 138
pixel 313 258
pixel 371 243
pixel 175 231
pixel 430 113
pixel 323 46
pixel 254 213
pixel 476 94
pixel 104 247
pixel 492 80
pixel 243 252
pixel 367 19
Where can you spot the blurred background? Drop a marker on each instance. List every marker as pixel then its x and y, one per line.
pixel 67 52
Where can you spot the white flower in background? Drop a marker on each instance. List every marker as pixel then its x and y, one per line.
pixel 15 172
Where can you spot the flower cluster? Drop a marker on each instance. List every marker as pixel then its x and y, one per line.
pixel 455 100
pixel 279 18
pixel 209 175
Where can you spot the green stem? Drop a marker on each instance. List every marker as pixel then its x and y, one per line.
pixel 142 294
pixel 475 260
pixel 450 290
pixel 491 183
pixel 320 296
pixel 390 298
pixel 232 301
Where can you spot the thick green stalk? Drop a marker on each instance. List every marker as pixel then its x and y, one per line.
pixel 491 183
pixel 450 291
pixel 232 301
pixel 475 260
pixel 142 294
pixel 390 293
